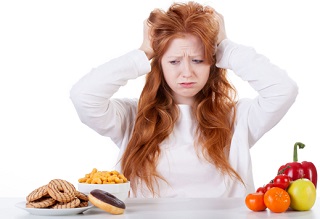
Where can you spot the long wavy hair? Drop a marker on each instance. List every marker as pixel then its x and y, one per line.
pixel 214 106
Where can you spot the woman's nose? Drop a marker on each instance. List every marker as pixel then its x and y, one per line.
pixel 186 70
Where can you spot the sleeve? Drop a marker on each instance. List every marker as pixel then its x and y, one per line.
pixel 91 95
pixel 276 90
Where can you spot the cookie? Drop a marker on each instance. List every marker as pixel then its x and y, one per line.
pixel 37 193
pixel 61 190
pixel 41 203
pixel 83 204
pixel 72 204
pixel 82 196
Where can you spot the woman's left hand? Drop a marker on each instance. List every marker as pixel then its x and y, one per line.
pixel 146 43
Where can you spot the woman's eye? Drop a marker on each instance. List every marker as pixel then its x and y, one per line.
pixel 174 62
pixel 197 61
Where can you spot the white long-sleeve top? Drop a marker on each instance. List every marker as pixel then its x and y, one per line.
pixel 187 173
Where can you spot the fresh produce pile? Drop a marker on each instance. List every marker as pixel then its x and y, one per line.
pixel 293 187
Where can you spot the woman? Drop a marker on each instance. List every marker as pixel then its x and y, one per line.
pixel 187 135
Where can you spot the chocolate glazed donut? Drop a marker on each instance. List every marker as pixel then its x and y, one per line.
pixel 106 201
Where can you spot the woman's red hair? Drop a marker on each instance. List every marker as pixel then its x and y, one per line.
pixel 214 106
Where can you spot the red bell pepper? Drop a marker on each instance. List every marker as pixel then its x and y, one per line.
pixel 297 170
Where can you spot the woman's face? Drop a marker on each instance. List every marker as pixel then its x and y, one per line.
pixel 184 68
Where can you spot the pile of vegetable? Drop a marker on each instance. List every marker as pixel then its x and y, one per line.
pixel 293 187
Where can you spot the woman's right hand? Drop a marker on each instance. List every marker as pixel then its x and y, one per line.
pixel 222 29
pixel 146 43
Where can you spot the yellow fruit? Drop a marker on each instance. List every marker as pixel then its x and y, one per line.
pixel 303 194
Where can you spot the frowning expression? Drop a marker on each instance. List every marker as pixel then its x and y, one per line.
pixel 184 68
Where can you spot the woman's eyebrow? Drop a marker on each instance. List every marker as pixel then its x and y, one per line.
pixel 180 56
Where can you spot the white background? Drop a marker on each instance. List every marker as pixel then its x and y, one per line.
pixel 46 46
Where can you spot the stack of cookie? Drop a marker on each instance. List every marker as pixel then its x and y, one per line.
pixel 57 194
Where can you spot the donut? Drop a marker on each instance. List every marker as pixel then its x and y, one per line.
pixel 106 201
pixel 61 190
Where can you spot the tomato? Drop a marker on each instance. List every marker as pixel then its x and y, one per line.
pixel 255 202
pixel 303 194
pixel 261 190
pixel 282 181
pixel 277 200
pixel 268 186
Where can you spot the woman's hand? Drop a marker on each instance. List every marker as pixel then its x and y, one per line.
pixel 222 30
pixel 146 43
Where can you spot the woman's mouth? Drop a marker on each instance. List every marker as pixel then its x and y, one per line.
pixel 187 84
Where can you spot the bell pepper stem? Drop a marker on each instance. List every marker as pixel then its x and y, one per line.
pixel 284 169
pixel 295 150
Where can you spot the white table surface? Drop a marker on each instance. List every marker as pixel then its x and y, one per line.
pixel 184 208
